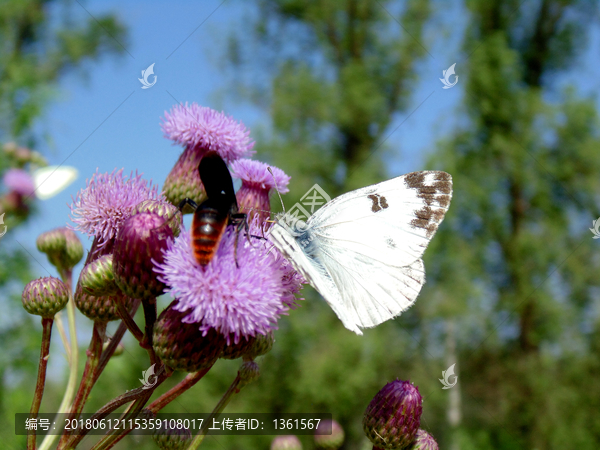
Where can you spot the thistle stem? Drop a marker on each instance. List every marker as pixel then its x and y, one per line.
pixel 73 361
pixel 141 399
pixel 189 381
pixel 128 319
pixel 150 316
pixel 87 380
pixel 63 336
pixel 114 342
pixel 41 379
pixel 117 402
pixel 235 388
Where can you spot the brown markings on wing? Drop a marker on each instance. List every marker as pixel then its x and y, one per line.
pixel 439 191
pixel 379 202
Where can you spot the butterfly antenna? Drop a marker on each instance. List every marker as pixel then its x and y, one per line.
pixel 275 181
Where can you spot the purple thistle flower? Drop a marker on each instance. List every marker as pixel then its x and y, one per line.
pixel 257 182
pixel 19 181
pixel 200 129
pixel 107 201
pixel 197 126
pixel 237 301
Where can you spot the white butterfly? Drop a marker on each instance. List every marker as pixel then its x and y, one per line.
pixel 362 250
pixel 51 180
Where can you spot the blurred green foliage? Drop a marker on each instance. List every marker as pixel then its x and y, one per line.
pixel 511 296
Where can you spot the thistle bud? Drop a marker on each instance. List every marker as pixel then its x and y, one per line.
pixel 140 241
pixel 424 441
pixel 287 442
pixel 250 348
pixel 393 417
pixel 165 210
pixel 331 441
pixel 248 372
pixel 102 308
pixel 184 180
pixel 45 296
pixel 168 438
pixel 97 277
pixel 181 346
pixel 62 247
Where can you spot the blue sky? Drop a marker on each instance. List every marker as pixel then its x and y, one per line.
pixel 108 121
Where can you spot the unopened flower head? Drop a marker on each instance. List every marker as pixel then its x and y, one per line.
pixel 140 240
pixel 97 277
pixel 19 181
pixel 102 308
pixel 257 183
pixel 326 441
pixel 45 296
pixel 101 208
pixel 62 246
pixel 182 346
pixel 237 300
pixel 248 372
pixel 286 442
pixel 424 441
pixel 250 348
pixel 393 417
pixel 200 129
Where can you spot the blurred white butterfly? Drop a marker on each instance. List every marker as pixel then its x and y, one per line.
pixel 362 250
pixel 51 180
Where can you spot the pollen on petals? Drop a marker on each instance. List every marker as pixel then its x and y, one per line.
pixel 201 127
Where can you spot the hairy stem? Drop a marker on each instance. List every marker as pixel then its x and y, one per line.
pixel 114 342
pixel 235 388
pixel 41 379
pixel 127 319
pixel 73 361
pixel 87 380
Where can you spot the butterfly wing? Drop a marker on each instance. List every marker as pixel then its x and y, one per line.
pixel 362 251
pixel 51 180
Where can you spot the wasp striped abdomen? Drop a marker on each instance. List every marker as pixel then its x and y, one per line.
pixel 208 227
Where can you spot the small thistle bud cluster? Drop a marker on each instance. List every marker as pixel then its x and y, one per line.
pixel 45 296
pixel 326 441
pixel 393 417
pixel 287 442
pixel 62 246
